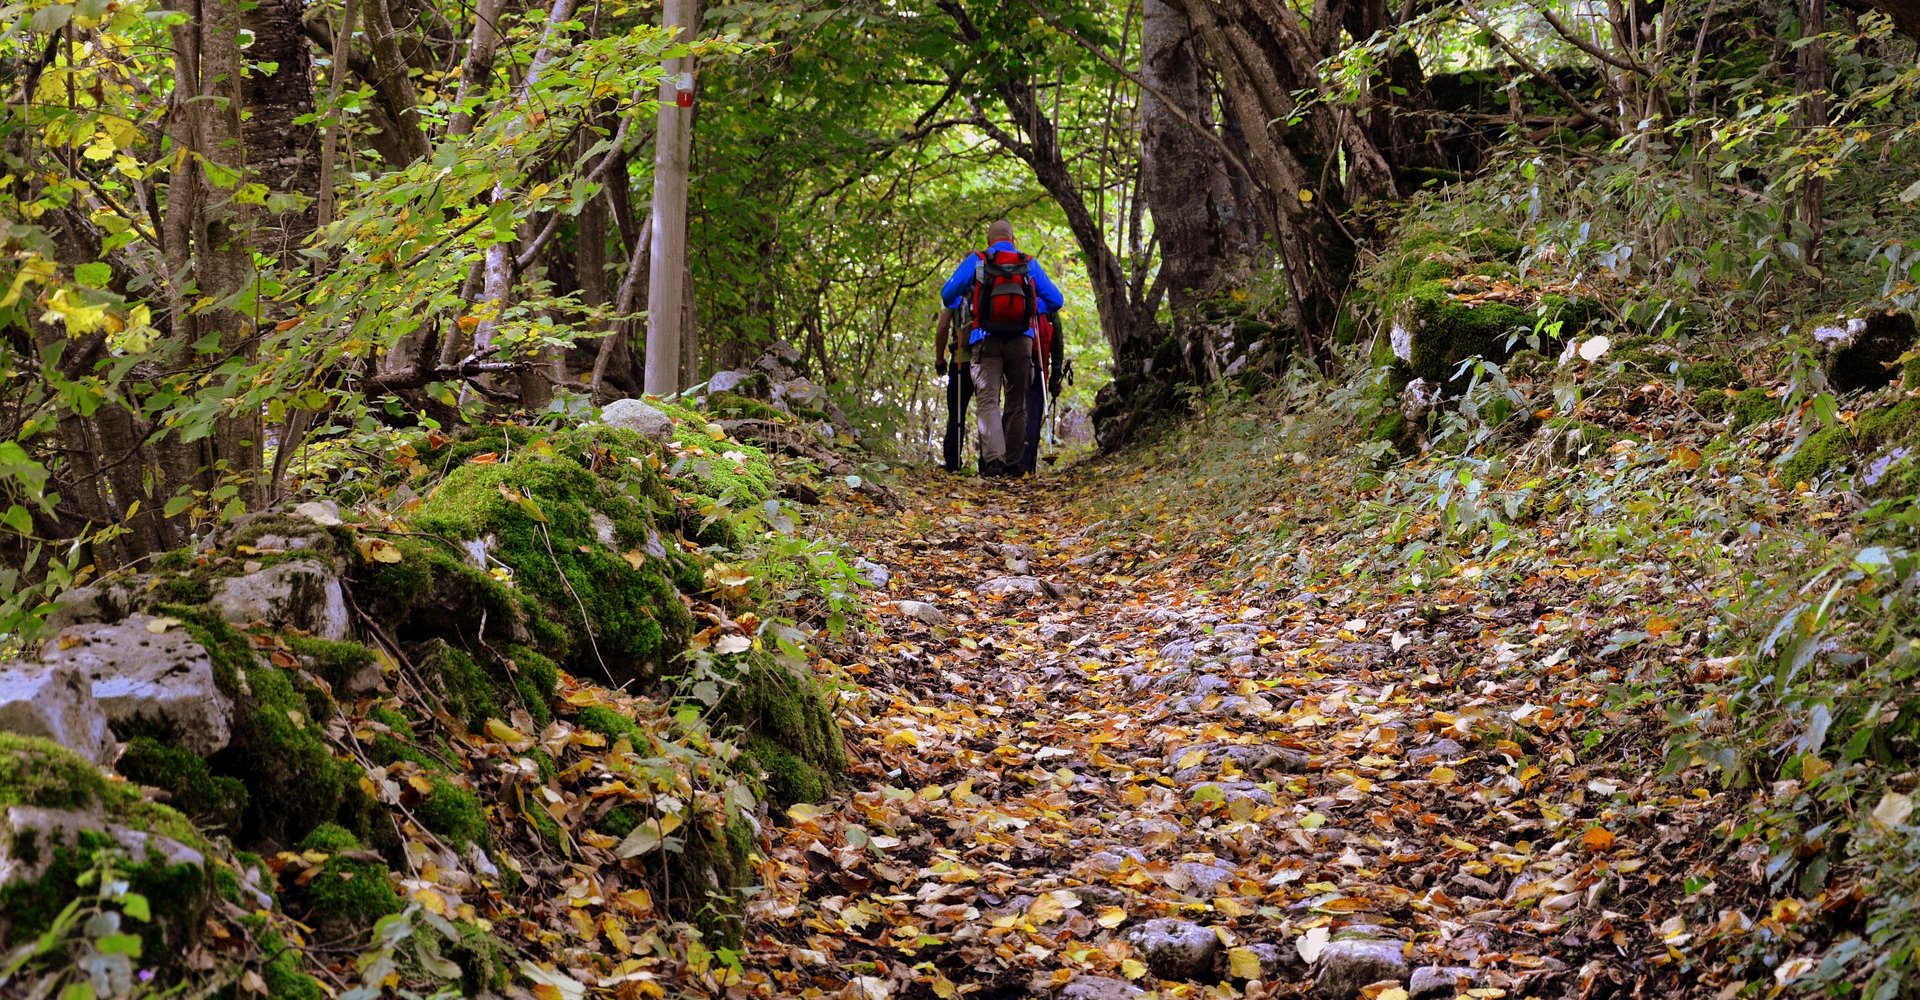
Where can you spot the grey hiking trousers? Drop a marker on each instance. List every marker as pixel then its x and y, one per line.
pixel 1002 370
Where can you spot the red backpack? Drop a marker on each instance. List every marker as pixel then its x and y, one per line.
pixel 1042 341
pixel 1003 294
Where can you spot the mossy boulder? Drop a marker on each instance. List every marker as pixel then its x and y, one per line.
pixel 1832 450
pixel 352 889
pixel 577 544
pixel 788 732
pixel 1434 332
pixel 59 814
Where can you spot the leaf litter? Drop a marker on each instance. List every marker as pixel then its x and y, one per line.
pixel 1039 777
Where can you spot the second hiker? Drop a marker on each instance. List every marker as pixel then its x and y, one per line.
pixel 1006 291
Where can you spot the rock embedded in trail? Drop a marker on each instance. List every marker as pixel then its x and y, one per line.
pixel 1437 752
pixel 635 415
pixel 922 612
pixel 876 575
pixel 1175 949
pixel 1020 586
pixel 1100 988
pixel 1439 982
pixel 55 703
pixel 1347 967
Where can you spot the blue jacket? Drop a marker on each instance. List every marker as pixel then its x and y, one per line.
pixel 955 291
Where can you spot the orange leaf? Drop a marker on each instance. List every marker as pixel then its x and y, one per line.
pixel 1597 839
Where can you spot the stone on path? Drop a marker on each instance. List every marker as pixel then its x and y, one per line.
pixel 1437 752
pixel 922 612
pixel 1175 949
pixel 1439 982
pixel 876 575
pixel 1020 586
pixel 1347 967
pixel 1100 988
pixel 55 703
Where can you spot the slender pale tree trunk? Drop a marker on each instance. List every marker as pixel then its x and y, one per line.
pixel 673 147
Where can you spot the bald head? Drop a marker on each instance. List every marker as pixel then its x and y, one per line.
pixel 1001 231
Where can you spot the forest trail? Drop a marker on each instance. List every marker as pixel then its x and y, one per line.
pixel 1145 774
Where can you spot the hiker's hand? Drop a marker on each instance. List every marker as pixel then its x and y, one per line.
pixel 940 367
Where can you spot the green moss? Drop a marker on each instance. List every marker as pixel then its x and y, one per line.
pixel 280 970
pixel 397 743
pixel 608 723
pixel 720 864
pixel 279 750
pixel 483 966
pixel 1822 452
pixel 534 677
pixel 1714 374
pixel 1888 424
pixel 1752 406
pixel 465 689
pixel 1447 331
pixel 540 512
pixel 330 838
pixel 37 772
pixel 454 813
pixel 618 822
pixel 350 894
pixel 337 663
pixel 730 404
pixel 790 733
pixel 211 801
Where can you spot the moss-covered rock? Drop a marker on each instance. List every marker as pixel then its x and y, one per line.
pixel 347 667
pixel 74 814
pixel 790 735
pixel 1443 331
pixel 563 531
pixel 453 812
pixel 351 891
pixel 211 801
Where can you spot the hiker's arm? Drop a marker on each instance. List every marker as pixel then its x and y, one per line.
pixel 940 340
pixel 1049 292
pixel 957 284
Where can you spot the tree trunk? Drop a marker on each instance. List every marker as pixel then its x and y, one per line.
pixel 673 144
pixel 1186 183
pixel 394 85
pixel 281 150
pixel 209 246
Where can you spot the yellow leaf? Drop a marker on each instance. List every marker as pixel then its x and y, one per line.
pixel 1111 916
pixel 1192 758
pixel 157 625
pixel 503 733
pixel 944 988
pixel 421 783
pixel 1045 909
pixel 1243 963
pixel 1132 968
pixel 1441 775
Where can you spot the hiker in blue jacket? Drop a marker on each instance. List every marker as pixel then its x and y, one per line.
pixel 1007 290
